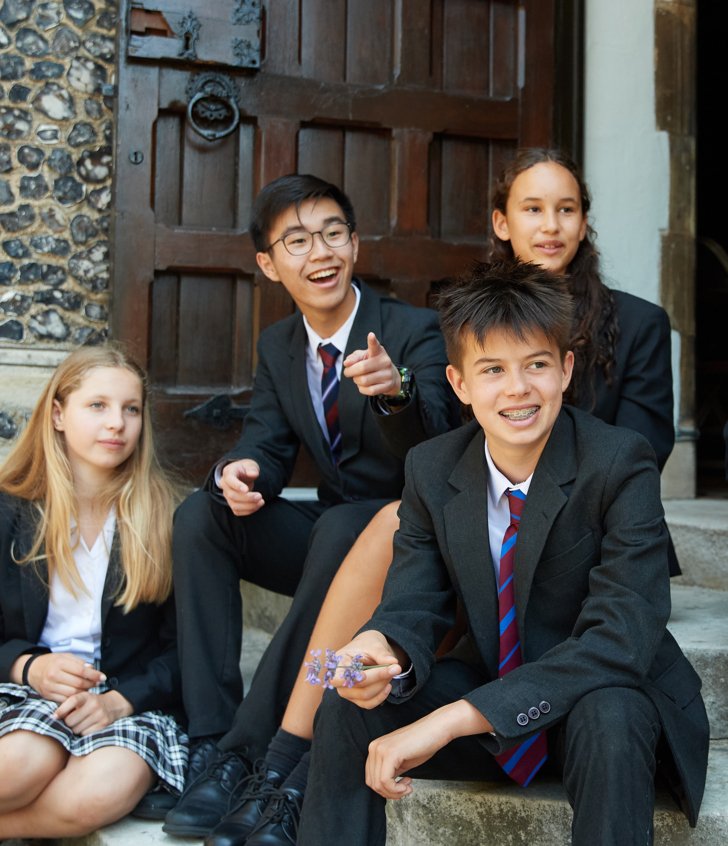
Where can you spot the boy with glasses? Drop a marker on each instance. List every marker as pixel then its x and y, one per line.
pixel 355 378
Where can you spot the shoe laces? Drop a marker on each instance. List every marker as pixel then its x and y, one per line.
pixel 254 785
pixel 284 807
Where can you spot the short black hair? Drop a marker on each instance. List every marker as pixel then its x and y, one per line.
pixel 520 297
pixel 292 190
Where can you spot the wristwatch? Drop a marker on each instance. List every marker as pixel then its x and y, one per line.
pixel 406 388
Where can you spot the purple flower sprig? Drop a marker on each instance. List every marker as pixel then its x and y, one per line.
pixel 352 673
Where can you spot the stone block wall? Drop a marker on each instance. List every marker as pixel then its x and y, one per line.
pixel 56 126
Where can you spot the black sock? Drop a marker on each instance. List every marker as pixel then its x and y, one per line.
pixel 299 775
pixel 285 751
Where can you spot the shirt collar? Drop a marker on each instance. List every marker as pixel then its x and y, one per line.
pixel 498 484
pixel 340 338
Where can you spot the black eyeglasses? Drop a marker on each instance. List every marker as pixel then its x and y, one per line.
pixel 300 242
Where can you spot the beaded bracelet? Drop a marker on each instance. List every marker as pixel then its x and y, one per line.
pixel 26 667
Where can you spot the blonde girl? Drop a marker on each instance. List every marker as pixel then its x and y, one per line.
pixel 89 680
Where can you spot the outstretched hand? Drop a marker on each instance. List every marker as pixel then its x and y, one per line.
pixel 372 370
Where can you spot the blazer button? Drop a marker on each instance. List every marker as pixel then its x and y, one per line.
pixel 534 713
pixel 522 719
pixel 544 707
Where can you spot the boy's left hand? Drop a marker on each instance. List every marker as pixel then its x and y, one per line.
pixel 85 713
pixel 372 370
pixel 400 751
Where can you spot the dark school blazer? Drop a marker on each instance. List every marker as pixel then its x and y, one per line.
pixel 592 591
pixel 138 649
pixel 640 396
pixel 282 417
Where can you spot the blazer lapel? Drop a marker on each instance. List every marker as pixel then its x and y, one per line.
pixel 466 524
pixel 113 581
pixel 352 404
pixel 547 495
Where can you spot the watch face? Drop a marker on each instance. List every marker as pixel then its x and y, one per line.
pixel 407 378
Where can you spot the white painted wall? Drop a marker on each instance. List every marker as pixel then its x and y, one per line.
pixel 626 161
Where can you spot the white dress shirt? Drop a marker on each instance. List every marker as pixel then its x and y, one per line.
pixel 73 623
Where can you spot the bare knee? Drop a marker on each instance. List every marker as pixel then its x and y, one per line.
pixel 28 763
pixel 96 805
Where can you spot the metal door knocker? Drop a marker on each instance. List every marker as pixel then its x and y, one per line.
pixel 212 110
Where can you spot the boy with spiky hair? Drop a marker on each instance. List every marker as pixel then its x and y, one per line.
pixel 545 526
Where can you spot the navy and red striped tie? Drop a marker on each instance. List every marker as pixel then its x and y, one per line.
pixel 330 396
pixel 523 761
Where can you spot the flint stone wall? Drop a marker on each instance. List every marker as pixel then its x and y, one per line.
pixel 56 140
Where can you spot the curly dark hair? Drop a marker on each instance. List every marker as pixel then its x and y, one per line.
pixel 595 329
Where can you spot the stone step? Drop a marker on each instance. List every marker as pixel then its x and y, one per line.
pixel 454 813
pixel 699 623
pixel 699 529
pixel 462 814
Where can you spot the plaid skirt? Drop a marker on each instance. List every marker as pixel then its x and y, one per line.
pixel 154 736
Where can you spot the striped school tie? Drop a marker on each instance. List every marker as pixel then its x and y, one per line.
pixel 330 396
pixel 523 761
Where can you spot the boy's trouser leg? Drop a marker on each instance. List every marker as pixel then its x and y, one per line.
pixel 260 713
pixel 213 550
pixel 610 738
pixel 338 806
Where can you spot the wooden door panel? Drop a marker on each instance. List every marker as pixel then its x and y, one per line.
pixel 181 360
pixel 411 107
pixel 466 32
pixel 369 41
pixel 465 189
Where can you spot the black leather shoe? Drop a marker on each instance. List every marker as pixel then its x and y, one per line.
pixel 203 752
pixel 207 799
pixel 155 805
pixel 234 828
pixel 279 824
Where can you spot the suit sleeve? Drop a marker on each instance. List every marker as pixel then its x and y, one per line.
pixel 13 640
pixel 646 399
pixel 433 408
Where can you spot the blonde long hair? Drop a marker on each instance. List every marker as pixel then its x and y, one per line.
pixel 144 496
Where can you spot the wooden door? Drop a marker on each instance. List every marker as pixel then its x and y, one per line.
pixel 411 106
